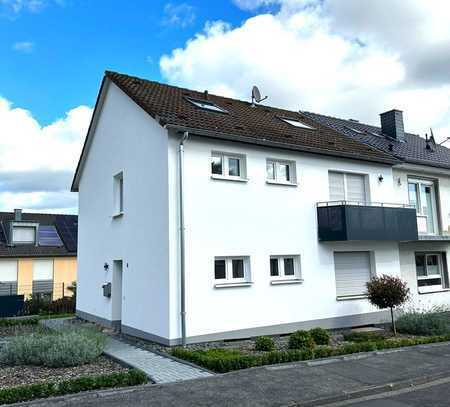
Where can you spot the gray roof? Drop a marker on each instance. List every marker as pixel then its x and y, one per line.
pixel 66 227
pixel 412 150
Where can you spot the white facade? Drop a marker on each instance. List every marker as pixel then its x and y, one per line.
pixel 241 218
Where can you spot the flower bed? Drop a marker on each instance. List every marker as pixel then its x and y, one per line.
pixel 226 360
pixel 17 394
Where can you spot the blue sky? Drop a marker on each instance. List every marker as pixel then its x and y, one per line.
pixel 74 41
pixel 329 56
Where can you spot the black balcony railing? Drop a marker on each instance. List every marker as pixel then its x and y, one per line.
pixel 347 220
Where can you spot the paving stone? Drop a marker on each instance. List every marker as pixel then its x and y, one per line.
pixel 159 368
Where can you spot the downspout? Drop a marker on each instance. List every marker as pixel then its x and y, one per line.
pixel 182 239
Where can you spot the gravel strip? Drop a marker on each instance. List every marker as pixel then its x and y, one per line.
pixel 17 375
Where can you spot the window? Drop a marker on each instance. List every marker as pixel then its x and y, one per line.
pixel 118 194
pixel 42 276
pixel 354 130
pixel 228 166
pixel 24 234
pixel 8 277
pixel 280 172
pixel 353 270
pixel 432 272
pixel 285 268
pixel 231 270
pixel 347 187
pixel 422 196
pixel 206 105
pixel 296 123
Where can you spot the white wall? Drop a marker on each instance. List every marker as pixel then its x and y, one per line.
pixel 126 139
pixel 258 220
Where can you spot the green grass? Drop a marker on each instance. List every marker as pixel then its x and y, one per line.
pixel 28 392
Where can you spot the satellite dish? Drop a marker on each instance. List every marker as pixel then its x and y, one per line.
pixel 256 96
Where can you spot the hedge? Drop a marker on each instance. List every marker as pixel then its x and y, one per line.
pixel 226 360
pixel 6 322
pixel 27 392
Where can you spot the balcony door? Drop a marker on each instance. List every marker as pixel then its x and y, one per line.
pixel 422 196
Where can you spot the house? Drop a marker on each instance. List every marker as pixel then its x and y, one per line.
pixel 203 217
pixel 38 254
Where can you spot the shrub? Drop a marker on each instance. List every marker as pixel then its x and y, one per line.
pixel 363 336
pixel 387 292
pixel 54 348
pixel 301 340
pixel 264 343
pixel 17 394
pixel 320 336
pixel 4 322
pixel 434 322
pixel 225 360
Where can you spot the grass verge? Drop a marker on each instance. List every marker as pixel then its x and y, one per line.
pixel 28 392
pixel 226 360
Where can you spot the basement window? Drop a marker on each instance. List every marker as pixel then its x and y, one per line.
pixel 206 105
pixel 296 123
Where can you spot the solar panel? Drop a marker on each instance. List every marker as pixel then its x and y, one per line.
pixel 67 227
pixel 48 236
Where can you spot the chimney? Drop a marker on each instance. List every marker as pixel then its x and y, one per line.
pixel 18 214
pixel 392 124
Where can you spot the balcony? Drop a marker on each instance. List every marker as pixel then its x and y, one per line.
pixel 351 221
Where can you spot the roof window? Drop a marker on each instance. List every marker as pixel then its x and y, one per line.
pixel 206 105
pixel 296 123
pixel 354 130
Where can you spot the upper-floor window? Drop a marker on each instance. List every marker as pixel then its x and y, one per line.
pixel 347 187
pixel 118 194
pixel 296 123
pixel 432 273
pixel 281 171
pixel 231 166
pixel 422 196
pixel 24 234
pixel 206 105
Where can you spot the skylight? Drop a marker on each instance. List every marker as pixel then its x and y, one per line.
pixel 296 123
pixel 354 130
pixel 207 105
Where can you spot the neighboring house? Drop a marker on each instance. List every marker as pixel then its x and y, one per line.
pixel 38 254
pixel 203 217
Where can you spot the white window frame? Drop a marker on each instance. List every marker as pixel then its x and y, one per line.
pixel 345 174
pixel 229 281
pixel 282 277
pixel 30 225
pixel 225 157
pixel 420 215
pixel 276 165
pixel 118 195
pixel 206 105
pixel 442 270
pixel 296 123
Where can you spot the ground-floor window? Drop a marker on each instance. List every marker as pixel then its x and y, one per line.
pixel 8 277
pixel 232 269
pixel 285 267
pixel 432 272
pixel 43 278
pixel 353 271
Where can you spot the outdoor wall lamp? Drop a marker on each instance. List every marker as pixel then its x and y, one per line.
pixel 106 266
pixel 380 178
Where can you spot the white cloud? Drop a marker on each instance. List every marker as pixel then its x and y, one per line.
pixel 17 6
pixel 24 46
pixel 178 15
pixel 37 162
pixel 330 56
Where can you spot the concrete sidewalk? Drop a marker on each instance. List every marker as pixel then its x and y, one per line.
pixel 303 384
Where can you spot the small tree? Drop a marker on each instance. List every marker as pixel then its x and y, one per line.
pixel 388 292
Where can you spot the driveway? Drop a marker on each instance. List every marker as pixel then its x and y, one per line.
pixel 304 383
